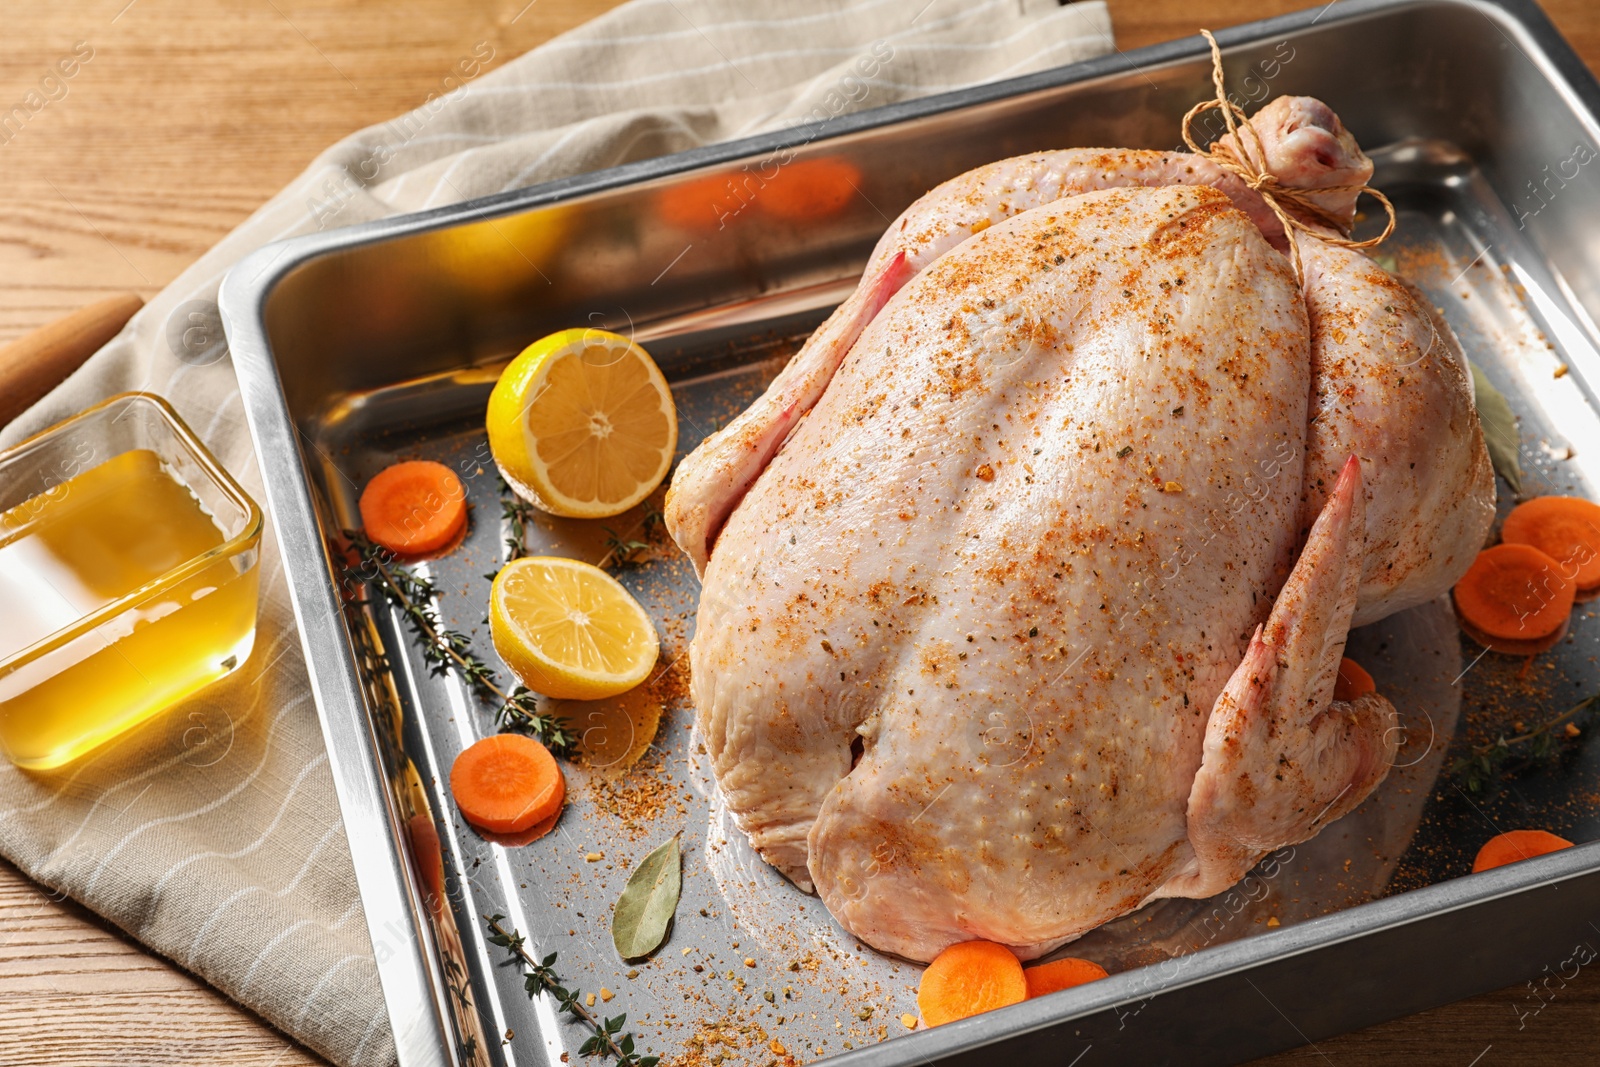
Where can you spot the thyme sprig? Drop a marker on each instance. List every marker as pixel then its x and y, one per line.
pixel 619 550
pixel 520 712
pixel 518 515
pixel 538 976
pixel 1485 763
pixel 445 650
pixel 624 552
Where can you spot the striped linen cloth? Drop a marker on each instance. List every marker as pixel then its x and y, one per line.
pixel 213 836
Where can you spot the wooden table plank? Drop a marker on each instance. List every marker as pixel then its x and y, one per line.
pixel 186 118
pixel 73 992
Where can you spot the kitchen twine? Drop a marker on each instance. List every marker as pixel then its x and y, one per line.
pixel 1245 165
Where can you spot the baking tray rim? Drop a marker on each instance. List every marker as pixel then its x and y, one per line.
pixel 411 990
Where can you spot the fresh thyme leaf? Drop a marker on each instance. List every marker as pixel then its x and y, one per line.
pixel 639 922
pixel 621 552
pixel 520 711
pixel 539 976
pixel 518 515
pixel 1499 429
pixel 624 552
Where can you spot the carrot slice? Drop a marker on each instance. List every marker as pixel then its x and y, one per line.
pixel 1515 845
pixel 809 189
pixel 414 507
pixel 1061 974
pixel 965 979
pixel 1565 528
pixel 428 856
pixel 706 203
pixel 1515 592
pixel 506 783
pixel 524 837
pixel 1353 681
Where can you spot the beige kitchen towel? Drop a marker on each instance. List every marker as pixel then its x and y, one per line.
pixel 213 835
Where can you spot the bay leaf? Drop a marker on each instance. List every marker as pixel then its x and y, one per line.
pixel 648 901
pixel 1499 429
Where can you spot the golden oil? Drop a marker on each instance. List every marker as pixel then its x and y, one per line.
pixel 118 602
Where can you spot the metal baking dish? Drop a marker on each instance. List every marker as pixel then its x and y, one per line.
pixel 358 346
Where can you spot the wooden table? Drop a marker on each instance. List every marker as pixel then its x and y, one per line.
pixel 188 116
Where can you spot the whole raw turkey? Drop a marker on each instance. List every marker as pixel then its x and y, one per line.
pixel 1026 582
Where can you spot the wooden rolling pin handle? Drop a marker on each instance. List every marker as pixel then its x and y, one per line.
pixel 34 365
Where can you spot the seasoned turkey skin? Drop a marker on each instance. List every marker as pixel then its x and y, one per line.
pixel 1017 548
pixel 1391 384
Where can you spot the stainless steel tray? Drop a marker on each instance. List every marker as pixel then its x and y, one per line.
pixel 358 346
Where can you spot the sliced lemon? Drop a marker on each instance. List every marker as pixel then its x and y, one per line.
pixel 569 630
pixel 582 424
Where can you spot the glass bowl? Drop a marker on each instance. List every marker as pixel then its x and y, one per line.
pixel 128 577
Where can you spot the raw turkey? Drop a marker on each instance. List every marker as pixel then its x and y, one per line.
pixel 1025 584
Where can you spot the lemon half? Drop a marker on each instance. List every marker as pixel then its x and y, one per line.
pixel 582 424
pixel 569 630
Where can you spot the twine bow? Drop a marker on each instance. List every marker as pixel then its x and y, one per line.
pixel 1248 163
